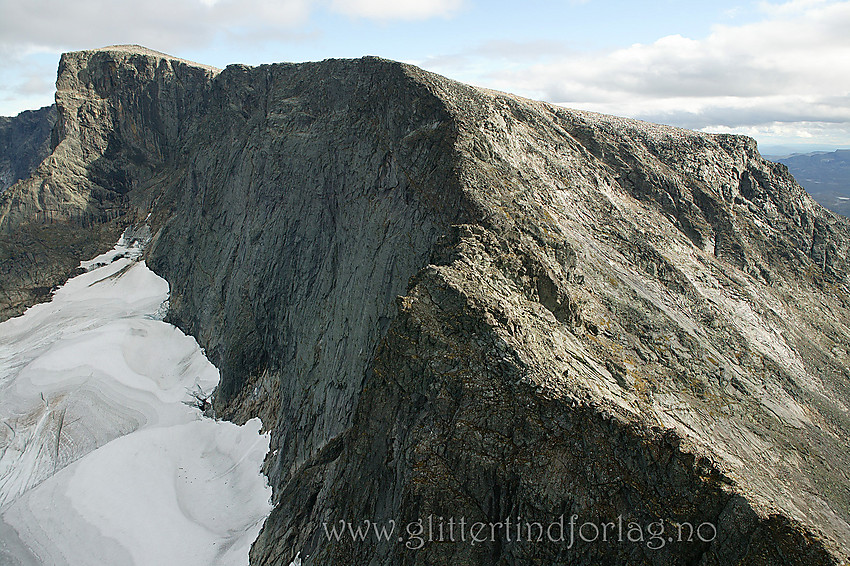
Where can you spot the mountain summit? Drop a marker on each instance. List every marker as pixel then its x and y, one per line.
pixel 449 303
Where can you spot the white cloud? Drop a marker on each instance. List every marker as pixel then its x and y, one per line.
pixel 802 56
pixel 34 84
pixel 791 67
pixel 177 24
pixel 166 24
pixel 396 9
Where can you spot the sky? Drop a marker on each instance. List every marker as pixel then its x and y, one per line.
pixel 776 70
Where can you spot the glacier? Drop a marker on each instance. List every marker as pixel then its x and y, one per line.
pixel 105 456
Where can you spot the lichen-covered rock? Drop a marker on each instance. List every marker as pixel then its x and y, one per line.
pixel 451 302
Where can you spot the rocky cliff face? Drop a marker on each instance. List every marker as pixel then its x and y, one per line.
pixel 825 176
pixel 24 143
pixel 121 112
pixel 450 302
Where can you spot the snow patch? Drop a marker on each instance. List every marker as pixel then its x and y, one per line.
pixel 103 457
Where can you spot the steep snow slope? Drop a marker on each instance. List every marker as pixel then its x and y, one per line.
pixel 103 458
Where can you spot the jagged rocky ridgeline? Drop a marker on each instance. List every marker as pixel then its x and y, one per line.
pixel 453 302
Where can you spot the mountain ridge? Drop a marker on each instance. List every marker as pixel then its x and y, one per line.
pixel 435 293
pixel 825 175
pixel 24 143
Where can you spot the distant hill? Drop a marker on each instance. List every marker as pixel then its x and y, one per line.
pixel 24 143
pixel 825 175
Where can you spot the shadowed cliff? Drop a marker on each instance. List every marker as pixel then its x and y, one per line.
pixel 454 302
pixel 24 143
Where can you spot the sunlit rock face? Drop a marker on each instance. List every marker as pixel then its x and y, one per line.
pixel 451 302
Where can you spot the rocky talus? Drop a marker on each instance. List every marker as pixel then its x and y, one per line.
pixel 455 303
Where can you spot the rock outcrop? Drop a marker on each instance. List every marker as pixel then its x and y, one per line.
pixel 824 175
pixel 24 143
pixel 121 112
pixel 448 302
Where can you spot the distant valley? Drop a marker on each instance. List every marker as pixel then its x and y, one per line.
pixel 825 175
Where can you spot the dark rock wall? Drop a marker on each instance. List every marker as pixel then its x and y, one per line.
pixel 825 175
pixel 591 290
pixel 24 143
pixel 289 243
